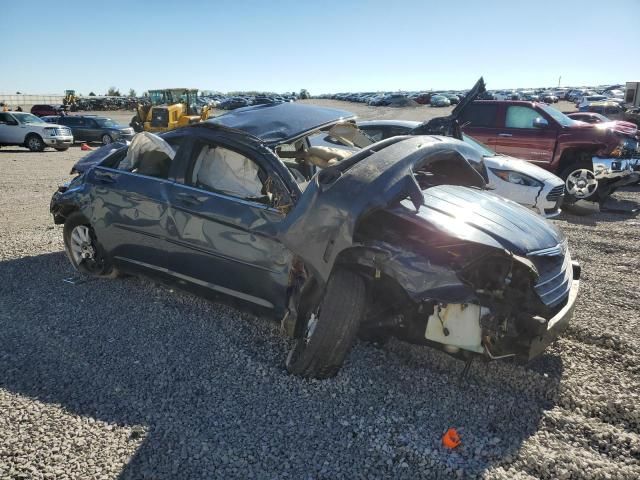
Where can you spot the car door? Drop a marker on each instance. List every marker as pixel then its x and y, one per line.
pixel 92 131
pixel 11 132
pixel 480 121
pixel 225 226
pixel 524 136
pixel 129 198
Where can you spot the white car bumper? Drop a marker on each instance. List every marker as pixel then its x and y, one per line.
pixel 59 141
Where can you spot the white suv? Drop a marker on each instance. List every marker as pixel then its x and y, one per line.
pixel 25 129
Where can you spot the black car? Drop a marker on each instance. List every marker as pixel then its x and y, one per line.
pixel 91 128
pixel 233 103
pixel 397 238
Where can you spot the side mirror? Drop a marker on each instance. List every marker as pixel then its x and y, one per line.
pixel 540 122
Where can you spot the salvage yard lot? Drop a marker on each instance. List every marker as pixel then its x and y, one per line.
pixel 131 379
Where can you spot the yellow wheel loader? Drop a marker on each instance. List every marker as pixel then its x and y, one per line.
pixel 167 109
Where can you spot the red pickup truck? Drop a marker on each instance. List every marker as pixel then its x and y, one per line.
pixel 592 161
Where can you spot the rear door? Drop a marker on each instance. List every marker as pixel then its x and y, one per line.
pixel 226 225
pixel 92 130
pixel 519 137
pixel 480 121
pixel 72 123
pixel 130 207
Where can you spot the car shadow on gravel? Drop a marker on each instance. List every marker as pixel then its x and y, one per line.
pixel 206 389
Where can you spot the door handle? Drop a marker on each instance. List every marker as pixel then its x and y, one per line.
pixel 505 135
pixel 189 198
pixel 104 177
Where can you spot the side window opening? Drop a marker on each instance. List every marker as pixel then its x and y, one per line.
pixel 148 155
pixel 478 115
pixel 221 170
pixel 520 117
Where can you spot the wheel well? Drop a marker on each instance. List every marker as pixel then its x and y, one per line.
pixel 32 134
pixel 575 155
pixel 62 213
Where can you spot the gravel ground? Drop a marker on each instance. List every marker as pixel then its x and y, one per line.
pixel 129 379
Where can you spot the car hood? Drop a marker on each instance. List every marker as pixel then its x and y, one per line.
pixel 505 162
pixel 281 122
pixel 96 156
pixel 323 221
pixel 619 126
pixel 471 215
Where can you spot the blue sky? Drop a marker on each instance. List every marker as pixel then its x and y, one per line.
pixel 324 46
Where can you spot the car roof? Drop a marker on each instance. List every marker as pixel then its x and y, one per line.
pixel 280 122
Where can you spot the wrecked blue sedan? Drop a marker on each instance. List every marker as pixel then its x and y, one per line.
pixel 291 210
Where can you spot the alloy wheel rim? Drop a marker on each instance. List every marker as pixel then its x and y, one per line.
pixel 581 183
pixel 34 143
pixel 106 139
pixel 81 245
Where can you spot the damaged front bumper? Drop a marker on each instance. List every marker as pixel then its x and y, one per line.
pixel 556 325
pixel 460 329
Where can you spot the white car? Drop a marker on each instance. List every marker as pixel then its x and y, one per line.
pixel 27 130
pixel 517 180
pixel 587 100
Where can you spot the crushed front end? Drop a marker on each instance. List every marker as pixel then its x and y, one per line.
pixel 462 293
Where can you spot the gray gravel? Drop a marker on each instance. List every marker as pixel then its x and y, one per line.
pixel 130 379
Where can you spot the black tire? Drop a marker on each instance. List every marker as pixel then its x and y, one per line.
pixel 106 139
pixel 322 353
pixel 569 198
pixel 62 149
pixel 100 266
pixel 136 124
pixel 34 142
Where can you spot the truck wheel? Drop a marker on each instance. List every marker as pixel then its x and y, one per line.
pixel 34 142
pixel 82 247
pixel 580 182
pixel 331 329
pixel 106 139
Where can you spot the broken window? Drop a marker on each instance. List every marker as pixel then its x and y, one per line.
pixel 219 169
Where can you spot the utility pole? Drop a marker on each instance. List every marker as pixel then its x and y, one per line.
pixel 559 78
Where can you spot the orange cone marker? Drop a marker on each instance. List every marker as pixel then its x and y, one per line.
pixel 451 439
pixel 85 147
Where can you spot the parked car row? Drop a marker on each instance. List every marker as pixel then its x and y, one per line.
pixel 59 132
pixel 435 99
pixel 546 95
pixel 238 101
pixel 398 237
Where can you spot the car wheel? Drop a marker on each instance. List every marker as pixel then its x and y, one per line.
pixel 106 139
pixel 580 183
pixel 331 329
pixel 82 247
pixel 34 143
pixel 62 149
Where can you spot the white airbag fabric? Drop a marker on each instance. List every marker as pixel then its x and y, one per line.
pixel 142 143
pixel 228 172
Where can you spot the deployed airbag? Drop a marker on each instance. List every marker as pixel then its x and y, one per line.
pixel 229 172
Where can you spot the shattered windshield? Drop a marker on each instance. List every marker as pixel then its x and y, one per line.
pixel 27 118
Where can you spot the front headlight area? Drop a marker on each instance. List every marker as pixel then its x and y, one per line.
pixel 516 178
pixel 507 315
pixel 628 147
